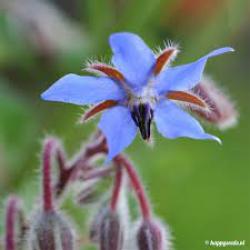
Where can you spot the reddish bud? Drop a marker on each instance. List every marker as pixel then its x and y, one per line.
pixel 94 233
pixel 15 224
pixel 151 236
pixel 222 111
pixel 50 231
pixel 111 232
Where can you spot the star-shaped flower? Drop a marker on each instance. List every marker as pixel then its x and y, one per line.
pixel 139 88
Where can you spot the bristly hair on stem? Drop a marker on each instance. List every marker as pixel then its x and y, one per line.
pixel 68 170
pixel 136 184
pixel 48 153
pixel 80 169
pixel 116 188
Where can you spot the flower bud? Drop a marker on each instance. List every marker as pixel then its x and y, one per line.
pixel 15 224
pixel 111 232
pixel 151 236
pixel 223 113
pixel 50 231
pixel 94 232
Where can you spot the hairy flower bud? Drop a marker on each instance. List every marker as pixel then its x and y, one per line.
pixel 151 236
pixel 111 231
pixel 50 231
pixel 222 112
pixel 94 231
pixel 15 224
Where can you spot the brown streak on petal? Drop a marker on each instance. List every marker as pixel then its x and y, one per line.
pixel 108 70
pixel 98 108
pixel 162 59
pixel 186 97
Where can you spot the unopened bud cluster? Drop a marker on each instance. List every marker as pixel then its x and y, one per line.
pixel 110 226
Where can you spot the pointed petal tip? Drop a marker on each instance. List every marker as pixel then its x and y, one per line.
pixel 218 140
pixel 47 95
pixel 218 52
pixel 44 96
pixel 215 138
pixel 228 49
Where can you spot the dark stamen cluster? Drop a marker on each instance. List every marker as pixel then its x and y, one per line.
pixel 142 115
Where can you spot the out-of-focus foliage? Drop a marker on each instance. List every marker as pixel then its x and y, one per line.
pixel 201 189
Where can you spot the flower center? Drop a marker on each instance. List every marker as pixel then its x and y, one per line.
pixel 142 115
pixel 142 105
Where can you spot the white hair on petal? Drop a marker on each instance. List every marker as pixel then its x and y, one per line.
pixel 193 106
pixel 166 46
pixel 89 66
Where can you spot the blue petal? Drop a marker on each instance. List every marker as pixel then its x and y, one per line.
pixel 83 90
pixel 132 57
pixel 118 128
pixel 172 122
pixel 186 76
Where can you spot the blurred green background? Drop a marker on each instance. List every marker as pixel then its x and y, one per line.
pixel 199 188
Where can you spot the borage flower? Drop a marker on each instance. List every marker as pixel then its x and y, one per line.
pixel 140 88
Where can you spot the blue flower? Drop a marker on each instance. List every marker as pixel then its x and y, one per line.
pixel 139 88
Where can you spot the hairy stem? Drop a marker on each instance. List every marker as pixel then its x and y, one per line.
pixel 97 173
pixel 116 189
pixel 81 162
pixel 49 148
pixel 137 185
